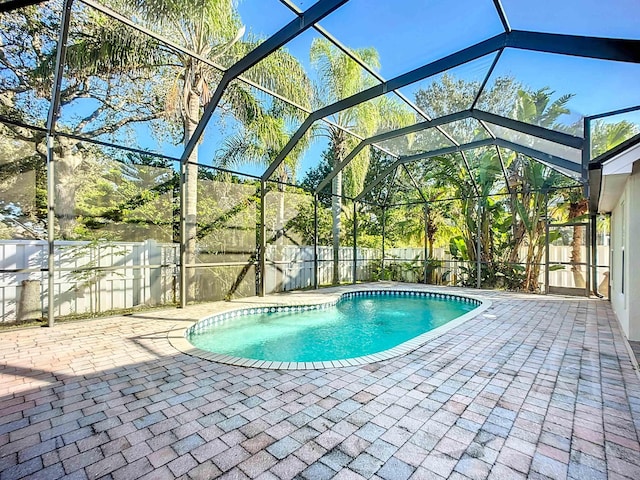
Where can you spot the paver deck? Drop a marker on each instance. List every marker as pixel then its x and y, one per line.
pixel 536 386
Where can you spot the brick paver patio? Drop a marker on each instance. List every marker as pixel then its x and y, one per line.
pixel 537 387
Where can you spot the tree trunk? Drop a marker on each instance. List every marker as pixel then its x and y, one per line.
pixel 29 306
pixel 519 231
pixel 281 211
pixel 336 209
pixel 430 242
pixel 530 281
pixel 577 209
pixel 576 257
pixel 67 182
pixel 191 197
pixel 486 237
pixel 470 238
pixel 279 233
pixel 338 145
pixel 537 259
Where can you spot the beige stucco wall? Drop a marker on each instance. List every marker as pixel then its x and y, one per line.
pixel 625 237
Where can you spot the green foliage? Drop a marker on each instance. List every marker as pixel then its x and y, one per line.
pixel 397 271
pixel 408 271
pixel 538 108
pixel 458 248
pixel 314 176
pixel 515 217
pixel 339 77
pixel 117 78
pixel 130 199
pixel 303 224
pixel 605 136
pixel 493 275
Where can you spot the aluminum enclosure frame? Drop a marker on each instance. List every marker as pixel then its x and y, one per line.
pixel 613 49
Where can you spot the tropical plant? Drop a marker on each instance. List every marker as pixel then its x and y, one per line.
pixel 505 224
pixel 532 184
pixel 212 30
pixel 530 202
pixel 339 76
pixel 604 136
pixel 470 176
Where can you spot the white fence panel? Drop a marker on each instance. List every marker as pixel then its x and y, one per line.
pixel 89 277
pixel 291 267
pixel 98 277
pixel 565 277
pixel 20 261
pixel 562 277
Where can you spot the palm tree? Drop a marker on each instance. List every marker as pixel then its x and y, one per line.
pixel 339 77
pixel 536 107
pixel 529 204
pixel 211 29
pixel 450 94
pixel 604 136
pixel 208 27
pixel 530 181
pixel 261 140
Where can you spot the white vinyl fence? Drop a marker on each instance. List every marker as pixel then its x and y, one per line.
pixel 89 277
pixel 291 267
pixel 450 270
pixel 93 277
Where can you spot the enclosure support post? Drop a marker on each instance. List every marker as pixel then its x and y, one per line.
pixel 586 155
pixel 355 243
pixel 183 234
pixel 546 236
pixel 587 283
pixel 262 249
pixel 586 158
pixel 315 241
pixel 426 245
pixel 479 248
pixel 594 256
pixel 52 118
pixel 51 218
pixel 384 220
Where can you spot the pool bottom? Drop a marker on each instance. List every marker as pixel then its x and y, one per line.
pixel 178 337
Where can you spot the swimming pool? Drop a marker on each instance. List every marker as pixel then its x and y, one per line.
pixel 354 329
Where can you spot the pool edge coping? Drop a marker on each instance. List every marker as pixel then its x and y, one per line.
pixel 177 338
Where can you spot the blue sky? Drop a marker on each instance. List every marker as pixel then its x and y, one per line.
pixel 410 33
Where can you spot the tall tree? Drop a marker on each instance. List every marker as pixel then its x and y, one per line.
pixel 97 101
pixel 339 77
pixel 181 82
pixel 212 29
pixel 604 136
pixel 531 182
pixel 448 95
pixel 528 180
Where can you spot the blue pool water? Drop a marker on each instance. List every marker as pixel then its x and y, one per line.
pixel 359 324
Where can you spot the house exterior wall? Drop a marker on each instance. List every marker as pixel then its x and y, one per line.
pixel 625 256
